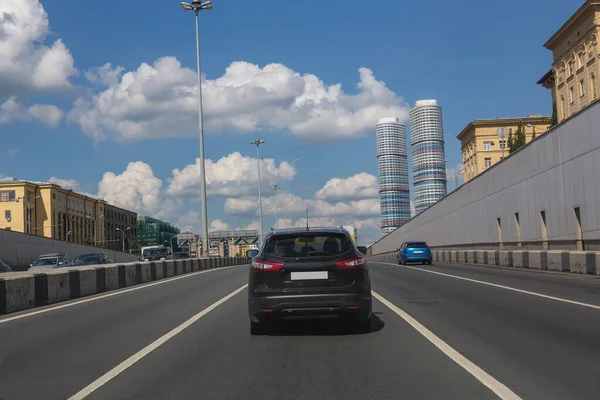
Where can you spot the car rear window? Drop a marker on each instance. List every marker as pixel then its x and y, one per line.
pixel 308 245
pixel 417 245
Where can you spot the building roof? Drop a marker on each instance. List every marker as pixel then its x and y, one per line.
pixel 532 119
pixel 547 77
pixel 551 43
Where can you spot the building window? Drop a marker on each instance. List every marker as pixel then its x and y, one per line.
pixel 572 94
pixel 7 195
pixel 593 83
pixel 502 144
pixel 486 146
pixel 582 88
pixel 580 60
pixel 488 162
pixel 53 196
pixel 7 215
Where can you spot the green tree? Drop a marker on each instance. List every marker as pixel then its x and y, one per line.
pixel 518 140
pixel 554 120
pixel 510 142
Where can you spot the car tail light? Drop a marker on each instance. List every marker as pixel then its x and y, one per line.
pixel 358 262
pixel 266 266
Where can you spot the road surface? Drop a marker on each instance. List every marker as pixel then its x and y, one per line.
pixel 442 331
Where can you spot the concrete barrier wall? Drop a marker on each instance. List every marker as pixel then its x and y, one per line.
pixel 549 178
pixel 18 250
pixel 24 290
pixel 576 262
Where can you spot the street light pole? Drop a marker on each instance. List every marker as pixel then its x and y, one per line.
pixel 123 234
pixel 258 142
pixel 275 189
pixel 196 7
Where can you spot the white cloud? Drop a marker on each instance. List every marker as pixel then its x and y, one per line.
pixel 357 187
pixel 191 221
pixel 13 110
pixel 454 175
pixel 233 175
pixel 292 205
pixel 27 65
pixel 65 183
pixel 218 225
pixel 160 100
pixel 139 190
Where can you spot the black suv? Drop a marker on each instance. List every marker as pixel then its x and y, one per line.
pixel 314 272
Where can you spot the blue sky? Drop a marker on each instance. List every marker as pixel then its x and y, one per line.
pixel 478 59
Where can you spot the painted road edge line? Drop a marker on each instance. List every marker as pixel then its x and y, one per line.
pixel 114 293
pixel 98 383
pixel 489 381
pixel 545 296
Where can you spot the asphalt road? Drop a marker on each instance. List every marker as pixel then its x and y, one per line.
pixel 538 347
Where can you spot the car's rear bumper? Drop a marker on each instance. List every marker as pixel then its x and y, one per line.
pixel 424 257
pixel 308 305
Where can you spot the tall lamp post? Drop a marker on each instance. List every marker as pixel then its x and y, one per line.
pixel 275 189
pixel 123 234
pixel 258 142
pixel 196 7
pixel 502 134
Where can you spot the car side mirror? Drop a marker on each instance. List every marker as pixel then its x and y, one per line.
pixel 61 263
pixel 362 249
pixel 251 253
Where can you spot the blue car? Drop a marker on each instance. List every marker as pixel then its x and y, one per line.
pixel 417 252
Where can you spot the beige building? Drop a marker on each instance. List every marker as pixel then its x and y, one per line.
pixel 573 78
pixel 482 148
pixel 45 209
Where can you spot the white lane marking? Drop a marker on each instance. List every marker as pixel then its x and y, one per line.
pixel 489 381
pixel 114 293
pixel 545 296
pixel 98 383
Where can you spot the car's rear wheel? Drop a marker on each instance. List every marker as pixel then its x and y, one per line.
pixel 258 328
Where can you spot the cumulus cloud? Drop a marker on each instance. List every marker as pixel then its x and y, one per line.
pixel 292 205
pixel 65 183
pixel 454 175
pixel 233 175
pixel 359 186
pixel 27 65
pixel 160 100
pixel 191 221
pixel 13 110
pixel 218 225
pixel 139 190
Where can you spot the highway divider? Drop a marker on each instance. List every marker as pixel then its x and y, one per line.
pixel 24 290
pixel 576 262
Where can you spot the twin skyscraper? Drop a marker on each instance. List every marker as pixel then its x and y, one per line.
pixel 428 163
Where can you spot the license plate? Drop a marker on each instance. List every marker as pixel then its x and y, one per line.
pixel 417 252
pixel 308 275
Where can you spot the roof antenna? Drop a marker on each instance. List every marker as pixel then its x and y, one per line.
pixel 307 219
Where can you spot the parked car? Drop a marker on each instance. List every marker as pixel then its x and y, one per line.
pixel 182 255
pixel 414 252
pixel 308 273
pixel 91 259
pixel 4 267
pixel 48 261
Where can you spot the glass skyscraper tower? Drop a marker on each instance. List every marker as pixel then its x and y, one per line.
pixel 392 169
pixel 428 160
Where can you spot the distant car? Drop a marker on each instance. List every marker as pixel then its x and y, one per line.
pixel 49 261
pixel 414 252
pixel 91 259
pixel 308 273
pixel 4 267
pixel 181 255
